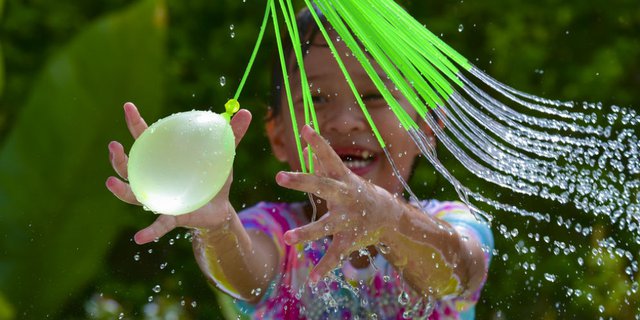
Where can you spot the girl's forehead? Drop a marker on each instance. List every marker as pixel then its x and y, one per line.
pixel 320 59
pixel 319 40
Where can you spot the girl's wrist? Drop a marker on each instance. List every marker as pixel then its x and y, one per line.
pixel 392 228
pixel 219 220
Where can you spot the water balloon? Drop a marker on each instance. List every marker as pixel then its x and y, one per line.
pixel 182 161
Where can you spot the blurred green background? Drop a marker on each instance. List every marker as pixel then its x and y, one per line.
pixel 67 67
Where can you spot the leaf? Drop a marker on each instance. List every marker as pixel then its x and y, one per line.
pixel 6 311
pixel 56 216
pixel 1 56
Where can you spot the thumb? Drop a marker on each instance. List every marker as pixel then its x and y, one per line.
pixel 240 123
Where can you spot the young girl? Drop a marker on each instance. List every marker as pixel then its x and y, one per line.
pixel 371 253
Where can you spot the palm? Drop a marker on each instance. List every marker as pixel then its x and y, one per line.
pixel 357 208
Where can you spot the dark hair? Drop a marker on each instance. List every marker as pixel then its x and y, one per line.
pixel 307 29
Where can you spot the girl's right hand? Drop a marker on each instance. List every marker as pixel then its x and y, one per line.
pixel 212 216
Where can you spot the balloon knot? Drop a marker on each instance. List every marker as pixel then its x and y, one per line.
pixel 232 106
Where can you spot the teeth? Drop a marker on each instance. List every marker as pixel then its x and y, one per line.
pixel 355 164
pixel 366 154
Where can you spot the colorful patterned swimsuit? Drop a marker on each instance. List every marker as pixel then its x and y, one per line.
pixel 374 292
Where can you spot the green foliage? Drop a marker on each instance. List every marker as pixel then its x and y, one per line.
pixel 1 58
pixel 57 219
pixel 6 310
pixel 54 160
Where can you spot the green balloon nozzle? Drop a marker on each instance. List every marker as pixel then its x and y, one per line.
pixel 232 106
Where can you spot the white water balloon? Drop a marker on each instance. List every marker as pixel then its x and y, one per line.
pixel 181 162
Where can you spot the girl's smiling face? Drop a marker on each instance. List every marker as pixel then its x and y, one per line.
pixel 341 120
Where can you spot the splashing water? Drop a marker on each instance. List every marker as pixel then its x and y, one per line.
pixel 583 155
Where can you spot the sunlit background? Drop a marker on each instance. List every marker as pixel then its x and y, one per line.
pixel 67 67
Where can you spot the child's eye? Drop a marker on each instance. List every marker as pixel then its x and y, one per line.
pixel 318 99
pixel 373 99
pixel 370 97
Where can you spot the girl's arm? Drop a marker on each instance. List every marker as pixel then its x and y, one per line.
pixel 237 261
pixel 435 258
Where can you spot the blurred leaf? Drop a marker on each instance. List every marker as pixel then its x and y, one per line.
pixel 1 57
pixel 57 218
pixel 1 73
pixel 6 311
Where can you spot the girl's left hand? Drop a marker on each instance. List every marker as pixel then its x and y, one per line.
pixel 359 211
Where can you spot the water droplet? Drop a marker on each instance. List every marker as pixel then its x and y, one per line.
pixel 403 298
pixel 223 81
pixel 136 257
pixel 550 277
pixel 429 307
pixel 194 304
pixel 383 248
pixel 156 289
pixel 256 292
pixel 460 28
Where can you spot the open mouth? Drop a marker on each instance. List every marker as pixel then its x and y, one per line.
pixel 358 161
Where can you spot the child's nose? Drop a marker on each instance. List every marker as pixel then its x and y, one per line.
pixel 345 119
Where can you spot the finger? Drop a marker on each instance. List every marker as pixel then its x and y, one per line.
pixel 329 261
pixel 323 187
pixel 121 190
pixel 331 162
pixel 156 230
pixel 118 159
pixel 317 165
pixel 240 123
pixel 135 123
pixel 312 231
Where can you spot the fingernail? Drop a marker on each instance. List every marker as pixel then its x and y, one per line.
pixel 282 177
pixel 137 237
pixel 290 237
pixel 108 183
pixel 314 277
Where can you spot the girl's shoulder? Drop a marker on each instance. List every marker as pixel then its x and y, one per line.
pixel 439 208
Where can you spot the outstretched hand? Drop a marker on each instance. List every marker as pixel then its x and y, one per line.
pixel 212 215
pixel 359 211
